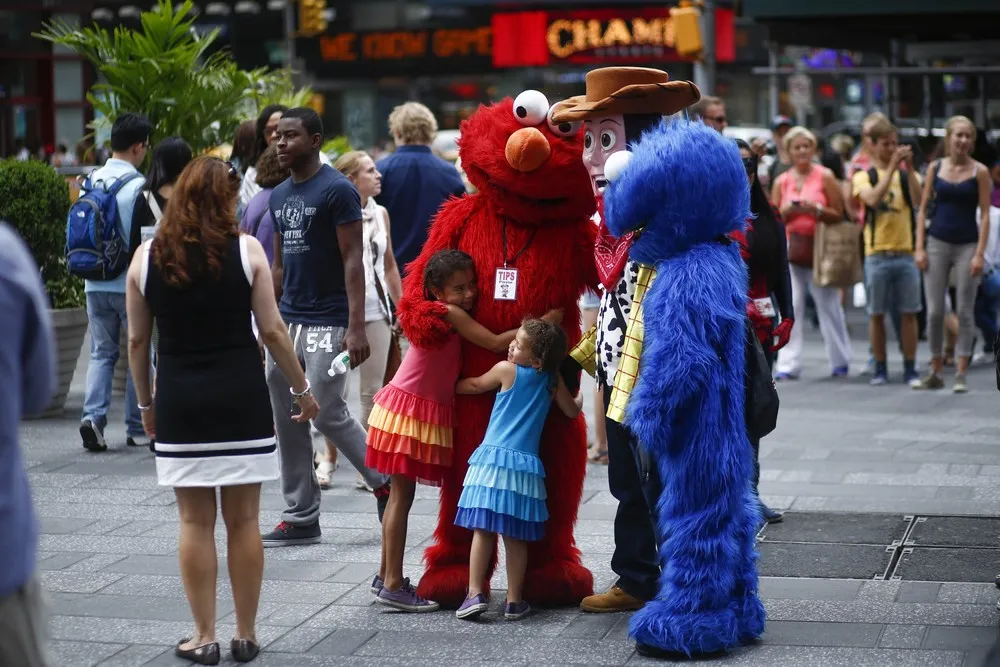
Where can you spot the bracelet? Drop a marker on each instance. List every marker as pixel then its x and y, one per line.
pixel 302 393
pixel 145 408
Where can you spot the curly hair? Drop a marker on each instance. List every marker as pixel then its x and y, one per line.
pixel 270 173
pixel 443 265
pixel 548 342
pixel 199 221
pixel 413 123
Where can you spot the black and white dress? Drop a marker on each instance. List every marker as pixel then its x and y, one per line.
pixel 213 412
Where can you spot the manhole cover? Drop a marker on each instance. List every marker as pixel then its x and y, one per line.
pixel 822 561
pixel 948 564
pixel 836 528
pixel 955 531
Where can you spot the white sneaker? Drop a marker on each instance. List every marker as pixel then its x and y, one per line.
pixel 361 485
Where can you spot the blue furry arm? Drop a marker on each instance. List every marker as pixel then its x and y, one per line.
pixel 676 356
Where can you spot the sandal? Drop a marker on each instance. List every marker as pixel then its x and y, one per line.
pixel 597 455
pixel 324 471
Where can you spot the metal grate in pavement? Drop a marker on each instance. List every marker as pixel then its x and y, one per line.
pixel 947 564
pixel 955 531
pixel 829 545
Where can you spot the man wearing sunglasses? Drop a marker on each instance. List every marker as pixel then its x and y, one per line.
pixel 711 111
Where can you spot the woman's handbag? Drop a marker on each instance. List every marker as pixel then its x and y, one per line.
pixel 800 250
pixel 837 255
pixel 761 395
pixel 395 351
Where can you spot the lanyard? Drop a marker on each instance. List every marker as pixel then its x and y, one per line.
pixel 519 252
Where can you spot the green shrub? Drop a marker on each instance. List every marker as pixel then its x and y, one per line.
pixel 35 200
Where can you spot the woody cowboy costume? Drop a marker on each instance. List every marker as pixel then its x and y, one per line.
pixel 620 104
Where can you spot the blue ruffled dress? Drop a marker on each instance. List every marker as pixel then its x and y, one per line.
pixel 504 489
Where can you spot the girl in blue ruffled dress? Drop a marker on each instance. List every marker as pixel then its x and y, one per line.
pixel 504 489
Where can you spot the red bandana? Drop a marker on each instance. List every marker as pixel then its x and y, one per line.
pixel 610 254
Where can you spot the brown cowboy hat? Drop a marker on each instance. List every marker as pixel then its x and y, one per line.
pixel 627 90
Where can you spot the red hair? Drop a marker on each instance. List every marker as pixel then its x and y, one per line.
pixel 200 217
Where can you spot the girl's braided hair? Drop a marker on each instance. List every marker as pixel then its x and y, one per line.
pixel 548 342
pixel 441 266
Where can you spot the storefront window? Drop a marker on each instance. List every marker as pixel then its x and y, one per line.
pixel 68 85
pixel 16 28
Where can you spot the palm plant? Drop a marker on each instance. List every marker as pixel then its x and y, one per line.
pixel 166 72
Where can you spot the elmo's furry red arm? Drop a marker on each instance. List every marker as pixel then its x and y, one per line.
pixel 423 321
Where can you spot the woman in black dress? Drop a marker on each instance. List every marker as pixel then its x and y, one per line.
pixel 201 279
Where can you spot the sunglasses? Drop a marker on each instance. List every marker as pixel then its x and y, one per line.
pixel 717 119
pixel 233 171
pixel 750 164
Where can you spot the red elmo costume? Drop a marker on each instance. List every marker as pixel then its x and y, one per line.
pixel 534 205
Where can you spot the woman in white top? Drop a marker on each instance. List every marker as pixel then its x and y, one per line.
pixel 383 287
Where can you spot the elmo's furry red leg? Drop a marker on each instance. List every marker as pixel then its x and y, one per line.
pixel 555 575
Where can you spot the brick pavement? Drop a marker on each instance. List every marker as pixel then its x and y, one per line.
pixel 108 549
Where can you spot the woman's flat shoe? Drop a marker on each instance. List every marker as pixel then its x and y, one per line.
pixel 244 650
pixel 206 654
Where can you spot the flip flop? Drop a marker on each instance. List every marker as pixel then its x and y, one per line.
pixel 324 471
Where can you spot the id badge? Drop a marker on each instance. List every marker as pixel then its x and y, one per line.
pixel 765 307
pixel 505 288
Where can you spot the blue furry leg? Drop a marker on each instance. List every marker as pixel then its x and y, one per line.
pixel 750 613
pixel 660 626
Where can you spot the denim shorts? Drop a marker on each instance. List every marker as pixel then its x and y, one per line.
pixel 892 278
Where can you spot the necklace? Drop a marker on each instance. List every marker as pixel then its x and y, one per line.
pixel 520 252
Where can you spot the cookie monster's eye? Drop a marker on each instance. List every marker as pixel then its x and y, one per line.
pixel 608 139
pixel 530 108
pixel 563 129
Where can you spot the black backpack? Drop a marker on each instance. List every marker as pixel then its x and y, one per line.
pixel 761 395
pixel 904 185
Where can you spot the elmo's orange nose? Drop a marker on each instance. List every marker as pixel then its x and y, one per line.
pixel 527 149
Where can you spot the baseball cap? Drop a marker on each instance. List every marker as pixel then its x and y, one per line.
pixel 780 120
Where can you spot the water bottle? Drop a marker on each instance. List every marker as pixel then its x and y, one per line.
pixel 341 364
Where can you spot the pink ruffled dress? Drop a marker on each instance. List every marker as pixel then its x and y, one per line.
pixel 410 426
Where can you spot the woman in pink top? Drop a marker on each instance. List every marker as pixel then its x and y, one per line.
pixel 806 195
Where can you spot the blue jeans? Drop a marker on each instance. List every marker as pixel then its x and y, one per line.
pixel 106 312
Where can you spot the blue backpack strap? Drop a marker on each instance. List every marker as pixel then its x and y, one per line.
pixel 120 182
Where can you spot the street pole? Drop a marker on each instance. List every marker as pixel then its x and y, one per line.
pixel 704 69
pixel 773 92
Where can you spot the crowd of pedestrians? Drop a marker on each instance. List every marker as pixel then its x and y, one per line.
pixel 259 283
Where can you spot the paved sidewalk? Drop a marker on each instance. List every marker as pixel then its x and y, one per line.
pixel 108 550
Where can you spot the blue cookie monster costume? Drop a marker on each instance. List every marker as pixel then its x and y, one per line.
pixel 685 188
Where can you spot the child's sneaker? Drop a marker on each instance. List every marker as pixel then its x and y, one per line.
pixel 960 386
pixel 378 584
pixel 515 611
pixel 472 607
pixel 406 599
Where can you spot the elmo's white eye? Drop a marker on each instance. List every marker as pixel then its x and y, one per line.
pixel 616 164
pixel 563 129
pixel 530 108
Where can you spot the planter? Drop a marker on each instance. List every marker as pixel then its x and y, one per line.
pixel 70 326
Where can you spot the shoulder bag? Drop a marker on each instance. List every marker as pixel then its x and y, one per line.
pixel 395 358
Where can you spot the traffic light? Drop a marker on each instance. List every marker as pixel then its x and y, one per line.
pixel 312 21
pixel 686 21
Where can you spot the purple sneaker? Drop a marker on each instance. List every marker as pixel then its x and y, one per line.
pixel 378 584
pixel 515 611
pixel 472 607
pixel 839 372
pixel 406 599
